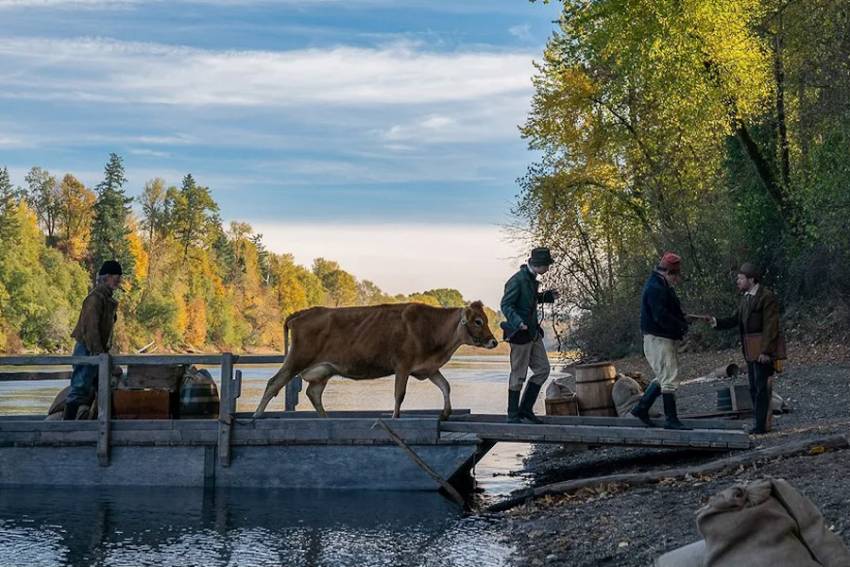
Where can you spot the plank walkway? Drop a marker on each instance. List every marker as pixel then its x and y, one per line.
pixel 598 431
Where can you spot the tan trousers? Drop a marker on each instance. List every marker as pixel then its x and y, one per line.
pixel 530 355
pixel 663 356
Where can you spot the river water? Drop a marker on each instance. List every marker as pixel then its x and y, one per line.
pixel 117 527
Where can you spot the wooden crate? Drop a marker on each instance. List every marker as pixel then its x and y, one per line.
pixel 142 404
pixel 562 406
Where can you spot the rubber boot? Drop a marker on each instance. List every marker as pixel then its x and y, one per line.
pixel 526 406
pixel 672 421
pixel 641 410
pixel 70 412
pixel 513 406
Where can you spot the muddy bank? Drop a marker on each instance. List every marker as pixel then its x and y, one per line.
pixel 630 526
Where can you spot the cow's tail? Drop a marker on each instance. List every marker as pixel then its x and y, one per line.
pixel 286 335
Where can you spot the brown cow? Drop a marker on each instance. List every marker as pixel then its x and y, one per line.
pixel 405 339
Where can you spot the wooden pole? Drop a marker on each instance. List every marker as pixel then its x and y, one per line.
pixel 455 495
pixel 225 409
pixel 104 407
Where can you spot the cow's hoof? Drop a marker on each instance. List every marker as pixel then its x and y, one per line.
pixel 445 415
pixel 258 414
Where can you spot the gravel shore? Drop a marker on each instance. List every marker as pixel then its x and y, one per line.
pixel 630 526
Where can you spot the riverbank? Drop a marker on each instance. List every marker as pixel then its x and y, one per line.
pixel 630 526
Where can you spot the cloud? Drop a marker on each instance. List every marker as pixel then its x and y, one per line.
pixel 404 258
pixel 105 70
pixel 522 32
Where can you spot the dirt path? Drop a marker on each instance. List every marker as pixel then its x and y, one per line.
pixel 623 526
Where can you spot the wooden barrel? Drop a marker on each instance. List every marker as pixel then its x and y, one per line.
pixel 594 383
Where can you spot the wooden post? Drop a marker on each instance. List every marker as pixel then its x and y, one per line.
pixel 225 409
pixel 104 407
pixel 290 394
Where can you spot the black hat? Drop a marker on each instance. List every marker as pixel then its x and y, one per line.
pixel 110 268
pixel 541 257
pixel 749 270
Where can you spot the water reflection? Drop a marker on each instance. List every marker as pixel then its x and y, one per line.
pixel 178 527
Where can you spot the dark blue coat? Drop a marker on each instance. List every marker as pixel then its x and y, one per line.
pixel 660 312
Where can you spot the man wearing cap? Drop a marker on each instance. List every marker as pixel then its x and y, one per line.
pixel 93 334
pixel 523 332
pixel 663 325
pixel 757 316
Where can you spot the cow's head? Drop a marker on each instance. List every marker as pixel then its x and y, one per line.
pixel 474 320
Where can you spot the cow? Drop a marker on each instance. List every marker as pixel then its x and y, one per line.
pixel 362 343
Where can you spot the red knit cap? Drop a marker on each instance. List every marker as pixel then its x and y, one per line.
pixel 671 262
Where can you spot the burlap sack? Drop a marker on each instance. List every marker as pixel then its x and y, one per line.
pixel 559 388
pixel 767 523
pixel 626 394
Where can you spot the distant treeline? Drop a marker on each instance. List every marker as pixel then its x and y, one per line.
pixel 191 282
pixel 719 130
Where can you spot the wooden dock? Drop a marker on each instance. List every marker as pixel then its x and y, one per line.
pixel 354 450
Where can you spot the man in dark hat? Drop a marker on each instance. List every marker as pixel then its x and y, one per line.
pixel 663 325
pixel 523 332
pixel 93 334
pixel 757 319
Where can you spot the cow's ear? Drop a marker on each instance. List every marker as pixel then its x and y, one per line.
pixel 465 315
pixel 477 305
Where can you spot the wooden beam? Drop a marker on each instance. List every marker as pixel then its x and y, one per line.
pixel 34 376
pixel 422 464
pixel 605 435
pixel 601 421
pixel 104 407
pixel 31 360
pixel 225 409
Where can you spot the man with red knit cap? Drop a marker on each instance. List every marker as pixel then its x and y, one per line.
pixel 663 325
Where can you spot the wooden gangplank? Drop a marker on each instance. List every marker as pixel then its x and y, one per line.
pixel 623 432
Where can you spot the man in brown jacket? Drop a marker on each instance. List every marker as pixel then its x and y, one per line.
pixel 93 334
pixel 757 319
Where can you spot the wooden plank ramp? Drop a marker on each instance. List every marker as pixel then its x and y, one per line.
pixel 624 433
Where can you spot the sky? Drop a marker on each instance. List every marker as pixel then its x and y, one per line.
pixel 382 134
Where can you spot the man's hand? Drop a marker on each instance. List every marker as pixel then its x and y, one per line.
pixel 764 359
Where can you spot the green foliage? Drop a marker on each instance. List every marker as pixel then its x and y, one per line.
pixel 110 227
pixel 196 284
pixel 692 126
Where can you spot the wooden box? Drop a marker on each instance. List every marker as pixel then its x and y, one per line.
pixel 562 406
pixel 155 377
pixel 142 404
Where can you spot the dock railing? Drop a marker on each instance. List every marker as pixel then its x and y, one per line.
pixel 230 385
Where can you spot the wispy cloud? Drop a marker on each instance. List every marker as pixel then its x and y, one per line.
pixel 125 72
pixel 522 32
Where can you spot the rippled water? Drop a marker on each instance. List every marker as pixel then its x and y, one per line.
pixel 112 527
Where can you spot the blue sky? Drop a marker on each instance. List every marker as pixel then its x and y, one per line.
pixel 360 130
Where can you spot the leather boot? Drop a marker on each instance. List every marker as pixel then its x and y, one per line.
pixel 513 406
pixel 672 421
pixel 526 406
pixel 641 410
pixel 70 412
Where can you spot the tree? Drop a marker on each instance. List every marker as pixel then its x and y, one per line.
pixel 111 211
pixel 9 198
pixel 44 198
pixel 154 218
pixel 75 214
pixel 192 213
